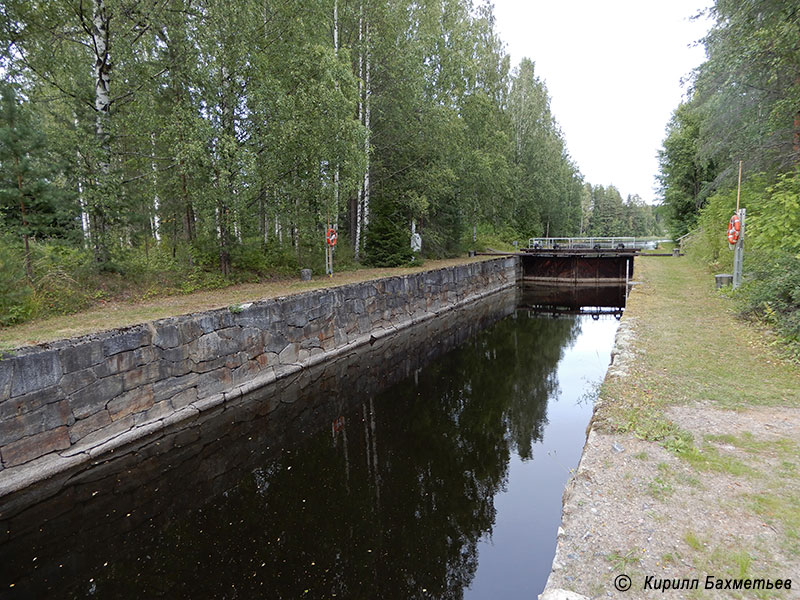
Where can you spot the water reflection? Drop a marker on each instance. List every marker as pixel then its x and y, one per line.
pixel 595 300
pixel 376 476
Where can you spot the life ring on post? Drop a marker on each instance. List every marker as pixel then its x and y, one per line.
pixel 331 236
pixel 734 229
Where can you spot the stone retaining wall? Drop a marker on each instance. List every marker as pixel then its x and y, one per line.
pixel 73 400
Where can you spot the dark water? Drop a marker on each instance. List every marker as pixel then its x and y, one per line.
pixel 430 465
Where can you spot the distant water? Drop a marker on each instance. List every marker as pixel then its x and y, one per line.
pixel 430 465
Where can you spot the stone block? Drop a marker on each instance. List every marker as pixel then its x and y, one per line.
pixel 211 345
pixel 47 417
pixel 169 369
pixel 183 398
pixel 296 316
pixel 122 361
pixel 30 402
pixel 310 342
pixel 34 446
pixel 214 382
pixel 245 372
pixel 131 402
pixel 167 388
pixel 355 306
pixel 236 360
pixel 131 339
pixel 95 396
pixel 81 356
pixel 167 336
pixel 72 382
pixel 206 323
pixel 6 375
pixel 258 315
pixel 140 376
pixel 103 434
pixel 289 354
pixel 35 371
pixel 175 354
pixel 210 365
pixel 252 341
pixel 266 359
pixel 157 411
pixel 84 427
pixel 274 342
pixel 145 355
pixel 189 328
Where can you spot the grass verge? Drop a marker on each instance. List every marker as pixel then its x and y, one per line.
pixel 692 352
pixel 693 349
pixel 111 315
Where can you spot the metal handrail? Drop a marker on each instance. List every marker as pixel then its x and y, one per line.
pixel 595 242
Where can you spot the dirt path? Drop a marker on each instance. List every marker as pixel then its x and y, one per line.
pixel 120 314
pixel 692 466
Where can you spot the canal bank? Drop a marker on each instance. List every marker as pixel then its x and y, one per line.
pixel 429 464
pixel 72 401
pixel 690 476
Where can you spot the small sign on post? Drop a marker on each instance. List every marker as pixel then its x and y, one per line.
pixel 416 239
pixel 331 238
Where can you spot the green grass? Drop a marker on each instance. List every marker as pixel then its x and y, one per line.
pixel 660 488
pixel 691 350
pixel 783 447
pixel 622 561
pixel 782 508
pixel 695 348
pixel 693 541
pixel 709 458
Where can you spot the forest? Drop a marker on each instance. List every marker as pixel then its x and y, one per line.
pixel 165 146
pixel 744 105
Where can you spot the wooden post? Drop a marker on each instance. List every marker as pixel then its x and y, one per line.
pixel 739 187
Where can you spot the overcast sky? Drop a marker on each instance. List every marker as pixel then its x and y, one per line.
pixel 613 69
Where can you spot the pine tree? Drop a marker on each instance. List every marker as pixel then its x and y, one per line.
pixel 31 204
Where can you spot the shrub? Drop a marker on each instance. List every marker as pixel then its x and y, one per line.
pixel 15 293
pixel 771 291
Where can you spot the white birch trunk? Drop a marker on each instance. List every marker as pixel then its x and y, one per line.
pixel 85 227
pixel 102 74
pixel 336 27
pixel 84 214
pixel 156 219
pixel 360 199
pixel 156 201
pixel 367 92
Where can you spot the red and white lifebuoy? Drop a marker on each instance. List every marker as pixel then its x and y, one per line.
pixel 734 229
pixel 331 236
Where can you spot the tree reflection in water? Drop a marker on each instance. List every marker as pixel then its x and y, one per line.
pixel 384 495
